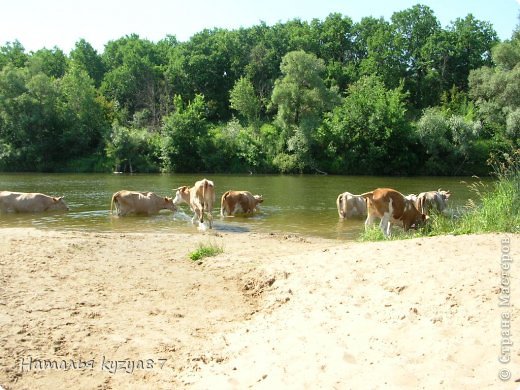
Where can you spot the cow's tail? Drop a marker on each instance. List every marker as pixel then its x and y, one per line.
pixel 204 188
pixel 339 204
pixel 421 202
pixel 223 204
pixel 114 201
pixel 368 197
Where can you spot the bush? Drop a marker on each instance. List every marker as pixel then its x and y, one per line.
pixel 206 251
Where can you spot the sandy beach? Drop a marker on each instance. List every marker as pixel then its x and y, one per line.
pixel 89 310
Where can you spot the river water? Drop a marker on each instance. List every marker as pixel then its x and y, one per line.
pixel 301 204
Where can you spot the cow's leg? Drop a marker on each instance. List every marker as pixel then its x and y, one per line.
pixel 196 216
pixel 206 212
pixel 385 224
pixel 369 221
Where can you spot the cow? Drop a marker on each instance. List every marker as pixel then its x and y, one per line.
pixel 432 199
pixel 134 202
pixel 350 205
pixel 200 197
pixel 392 207
pixel 239 202
pixel 30 202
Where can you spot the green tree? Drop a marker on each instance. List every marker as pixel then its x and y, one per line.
pixel 51 62
pixel 448 141
pixel 86 56
pixel 185 132
pixel 83 110
pixel 496 95
pixel 244 100
pixel 413 28
pixel 134 76
pixel 368 133
pixel 13 53
pixel 30 122
pixel 378 51
pixel 301 98
pixel 132 150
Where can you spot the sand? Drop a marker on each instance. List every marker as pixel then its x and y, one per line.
pixel 89 310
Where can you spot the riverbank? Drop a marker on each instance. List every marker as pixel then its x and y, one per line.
pixel 271 311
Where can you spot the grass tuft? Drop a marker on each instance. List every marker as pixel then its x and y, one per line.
pixel 206 250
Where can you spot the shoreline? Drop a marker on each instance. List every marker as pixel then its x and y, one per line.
pixel 272 310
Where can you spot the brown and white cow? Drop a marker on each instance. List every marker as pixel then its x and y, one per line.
pixel 350 205
pixel 392 207
pixel 200 197
pixel 432 200
pixel 233 202
pixel 30 202
pixel 135 202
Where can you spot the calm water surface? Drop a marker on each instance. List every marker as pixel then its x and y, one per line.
pixel 303 204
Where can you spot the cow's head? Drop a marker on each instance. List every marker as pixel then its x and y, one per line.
pixel 169 204
pixel 444 194
pixel 420 221
pixel 58 204
pixel 258 198
pixel 182 194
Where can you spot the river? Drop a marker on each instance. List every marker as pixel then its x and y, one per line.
pixel 300 204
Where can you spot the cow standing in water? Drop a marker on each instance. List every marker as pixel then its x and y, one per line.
pixel 350 205
pixel 134 202
pixel 233 202
pixel 200 197
pixel 392 207
pixel 30 202
pixel 432 200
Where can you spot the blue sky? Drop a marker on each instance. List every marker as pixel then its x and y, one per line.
pixel 37 24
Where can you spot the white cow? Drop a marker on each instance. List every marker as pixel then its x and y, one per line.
pixel 350 205
pixel 432 199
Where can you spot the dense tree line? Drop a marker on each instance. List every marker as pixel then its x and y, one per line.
pixel 397 97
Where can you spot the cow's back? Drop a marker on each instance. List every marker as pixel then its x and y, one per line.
pixel 131 202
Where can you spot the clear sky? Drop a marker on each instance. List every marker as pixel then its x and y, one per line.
pixel 48 23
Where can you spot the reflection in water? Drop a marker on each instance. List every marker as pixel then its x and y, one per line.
pixel 304 204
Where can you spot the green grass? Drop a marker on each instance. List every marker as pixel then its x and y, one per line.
pixel 495 209
pixel 206 250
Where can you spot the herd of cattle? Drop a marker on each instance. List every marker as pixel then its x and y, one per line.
pixel 389 205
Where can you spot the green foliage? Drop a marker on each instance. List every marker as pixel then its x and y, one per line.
pixel 85 56
pixel 132 150
pixel 447 141
pixel 206 250
pixel 52 63
pixel 243 99
pixel 368 132
pixel 184 134
pixel 13 53
pixel 301 98
pixel 495 92
pixel 297 88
